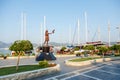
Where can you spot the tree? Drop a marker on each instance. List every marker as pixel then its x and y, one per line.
pixel 76 48
pixel 115 48
pixel 63 48
pixel 89 47
pixel 102 49
pixel 19 47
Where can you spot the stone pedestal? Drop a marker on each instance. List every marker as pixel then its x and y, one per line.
pixel 45 54
pixel 46 49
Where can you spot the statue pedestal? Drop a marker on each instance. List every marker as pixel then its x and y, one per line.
pixel 46 54
pixel 46 49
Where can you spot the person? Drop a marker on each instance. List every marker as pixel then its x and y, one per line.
pixel 47 36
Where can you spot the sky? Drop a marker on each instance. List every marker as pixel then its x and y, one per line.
pixel 61 15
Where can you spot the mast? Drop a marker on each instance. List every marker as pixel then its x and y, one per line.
pixel 69 35
pixel 98 33
pixel 44 27
pixel 118 33
pixel 78 32
pixel 86 30
pixel 108 33
pixel 23 26
pixel 41 34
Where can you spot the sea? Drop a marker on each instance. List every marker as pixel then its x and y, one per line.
pixel 5 51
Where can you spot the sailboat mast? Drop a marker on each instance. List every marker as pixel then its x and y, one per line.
pixel 86 30
pixel 44 27
pixel 78 32
pixel 41 34
pixel 69 35
pixel 23 26
pixel 98 33
pixel 108 33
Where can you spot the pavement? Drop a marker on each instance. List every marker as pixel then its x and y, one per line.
pixel 105 71
pixel 102 71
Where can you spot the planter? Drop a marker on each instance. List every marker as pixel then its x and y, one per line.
pixel 31 74
pixel 88 62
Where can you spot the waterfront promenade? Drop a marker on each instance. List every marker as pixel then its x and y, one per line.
pixel 102 71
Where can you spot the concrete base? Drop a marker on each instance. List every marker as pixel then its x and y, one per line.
pixel 88 62
pixel 31 74
pixel 45 56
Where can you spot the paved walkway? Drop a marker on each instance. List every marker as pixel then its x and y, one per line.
pixel 105 71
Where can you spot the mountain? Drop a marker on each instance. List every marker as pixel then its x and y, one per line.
pixel 4 45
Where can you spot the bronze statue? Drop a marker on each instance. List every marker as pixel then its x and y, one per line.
pixel 47 36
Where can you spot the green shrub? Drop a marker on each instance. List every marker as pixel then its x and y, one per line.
pixel 78 54
pixel 1 55
pixel 63 48
pixel 76 48
pixel 21 54
pixel 117 55
pixel 33 54
pixel 7 54
pixel 99 53
pixel 43 64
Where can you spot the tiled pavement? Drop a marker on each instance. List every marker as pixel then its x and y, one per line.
pixel 107 71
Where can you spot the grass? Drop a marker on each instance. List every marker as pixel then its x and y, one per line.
pixel 23 68
pixel 83 59
pixel 11 70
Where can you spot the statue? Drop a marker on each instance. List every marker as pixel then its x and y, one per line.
pixel 47 36
pixel 46 52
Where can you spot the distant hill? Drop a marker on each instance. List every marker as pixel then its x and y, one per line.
pixel 4 45
pixel 52 44
pixel 7 45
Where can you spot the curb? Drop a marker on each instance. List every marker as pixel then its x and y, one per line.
pixel 88 62
pixel 64 55
pixel 31 74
